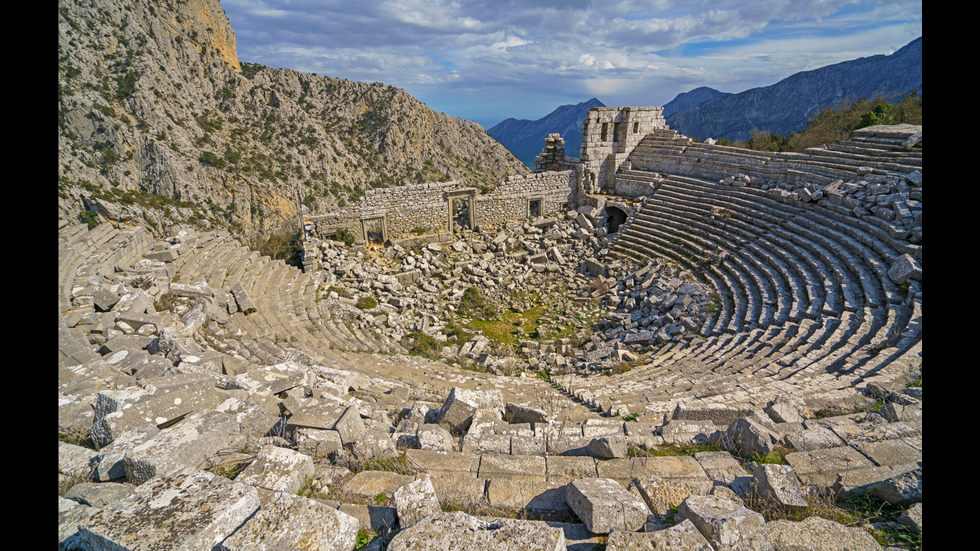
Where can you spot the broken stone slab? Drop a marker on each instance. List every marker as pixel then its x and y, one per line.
pixel 685 431
pixel 278 469
pixel 778 484
pixel 315 413
pixel 604 505
pixel 720 467
pixel 901 489
pixel 662 494
pixel 199 441
pixel 905 268
pixel 459 491
pixel 817 438
pixel 245 303
pixel 99 495
pixel 684 469
pixel 859 481
pixel 374 443
pixel 681 536
pixel 458 409
pixel 291 522
pixel 748 436
pixel 187 509
pixel 382 520
pixel 70 514
pixel 520 413
pixel 912 518
pixel 727 524
pixel 159 408
pixel 718 414
pixel 415 501
pixel 608 447
pixel 786 409
pixel 272 379
pixel 76 462
pixel 441 531
pixel 318 444
pixel 111 463
pixel 350 426
pixel 822 467
pixel 818 534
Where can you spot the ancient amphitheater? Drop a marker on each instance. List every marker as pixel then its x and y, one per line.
pixel 768 307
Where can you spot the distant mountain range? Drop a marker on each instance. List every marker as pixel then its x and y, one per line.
pixel 525 138
pixel 787 105
pixel 687 100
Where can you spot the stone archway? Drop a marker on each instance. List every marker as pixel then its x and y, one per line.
pixel 615 217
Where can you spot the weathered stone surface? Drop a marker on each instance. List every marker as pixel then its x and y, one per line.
pixel 901 489
pixel 111 458
pixel 513 467
pixel 458 409
pixel 747 436
pixel 294 522
pixel 415 501
pixel 272 379
pixel 350 426
pixel 442 531
pixel 434 437
pixel 526 494
pixel 371 483
pixel 682 536
pixel 465 465
pixel 720 466
pixel 725 523
pixel 817 438
pixel 278 470
pixel 70 514
pixel 608 447
pixel 187 509
pixel 604 505
pixel 318 444
pixel 778 483
pixel 660 494
pixel 76 461
pixel 818 534
pixel 905 268
pixel 564 469
pixel 822 467
pixel 912 517
pixel 99 495
pixel 198 441
pixel 684 469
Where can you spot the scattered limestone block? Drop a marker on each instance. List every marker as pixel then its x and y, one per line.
pixel 318 444
pixel 111 458
pixel 786 409
pixel 901 489
pixel 441 531
pixel 684 469
pixel 681 536
pixel 822 467
pixel 613 447
pixel 434 437
pixel 187 509
pixel 463 465
pixel 278 470
pixel 818 534
pixel 76 461
pixel 817 438
pixel 244 301
pixel 727 524
pixel 198 441
pixel 315 414
pixel 660 494
pixel 458 409
pixel 912 518
pixel 415 501
pixel 778 483
pixel 453 490
pixel 748 436
pixel 291 522
pixel 604 505
pixel 904 268
pixel 350 426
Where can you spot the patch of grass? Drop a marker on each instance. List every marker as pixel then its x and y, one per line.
pixel 344 235
pixel 776 457
pixel 475 306
pixel 340 291
pixel 367 303
pixel 364 536
pixel 419 344
pixel 673 450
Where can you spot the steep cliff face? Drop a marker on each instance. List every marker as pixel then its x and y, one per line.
pixel 161 124
pixel 787 105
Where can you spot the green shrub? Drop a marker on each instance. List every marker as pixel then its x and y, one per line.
pixel 367 303
pixel 89 218
pixel 344 235
pixel 474 306
pixel 419 344
pixel 209 158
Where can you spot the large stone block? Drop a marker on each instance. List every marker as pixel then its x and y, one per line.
pixel 442 531
pixel 186 509
pixel 604 505
pixel 272 379
pixel 513 467
pixel 727 524
pixel 778 483
pixel 278 470
pixel 294 522
pixel 525 494
pixel 662 494
pixel 415 501
pixel 681 536
pixel 818 534
pixel 458 409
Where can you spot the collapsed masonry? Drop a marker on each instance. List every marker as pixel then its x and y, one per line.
pixel 193 357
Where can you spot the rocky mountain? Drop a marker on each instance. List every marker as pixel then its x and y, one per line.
pixel 687 100
pixel 787 105
pixel 160 124
pixel 525 138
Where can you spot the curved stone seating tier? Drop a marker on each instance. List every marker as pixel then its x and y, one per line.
pixel 805 296
pixel 84 258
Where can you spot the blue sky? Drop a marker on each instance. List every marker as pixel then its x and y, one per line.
pixel 487 61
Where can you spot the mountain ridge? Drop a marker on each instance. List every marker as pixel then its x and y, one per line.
pixel 525 138
pixel 787 105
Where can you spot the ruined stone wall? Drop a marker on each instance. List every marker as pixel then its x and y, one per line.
pixel 609 135
pixel 425 206
pixel 509 201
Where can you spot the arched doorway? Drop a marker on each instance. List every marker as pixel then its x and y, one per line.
pixel 615 218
